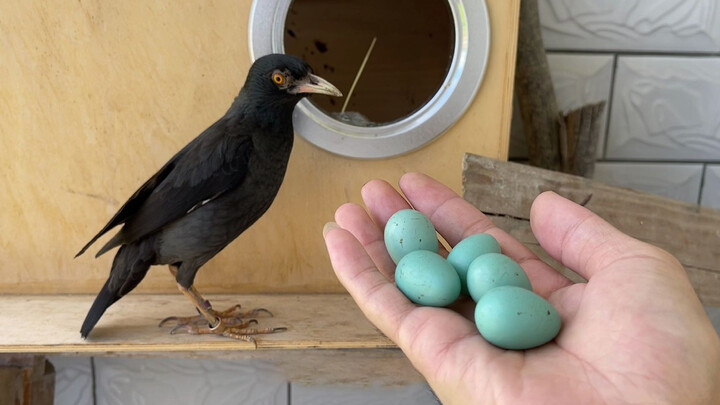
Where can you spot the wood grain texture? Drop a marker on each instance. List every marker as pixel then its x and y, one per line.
pixel 97 95
pixel 506 190
pixel 534 91
pixel 326 321
pixel 26 380
pixel 328 340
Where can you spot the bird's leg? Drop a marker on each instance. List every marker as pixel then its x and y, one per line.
pixel 173 270
pixel 232 316
pixel 200 305
pixel 227 323
pixel 216 325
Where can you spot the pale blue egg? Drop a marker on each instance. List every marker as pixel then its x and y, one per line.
pixel 407 231
pixel 467 250
pixel 494 270
pixel 515 318
pixel 427 279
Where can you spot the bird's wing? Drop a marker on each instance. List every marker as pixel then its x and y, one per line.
pixel 212 163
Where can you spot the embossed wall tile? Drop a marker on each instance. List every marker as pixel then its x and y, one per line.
pixel 711 188
pixel 674 180
pixel 665 108
pixel 419 394
pixel 582 79
pixel 73 380
pixel 714 314
pixel 578 79
pixel 124 381
pixel 646 25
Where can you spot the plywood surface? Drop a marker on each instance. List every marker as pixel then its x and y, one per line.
pixel 505 191
pixel 97 95
pixel 328 340
pixel 51 324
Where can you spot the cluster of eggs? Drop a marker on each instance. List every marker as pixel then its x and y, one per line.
pixel 508 313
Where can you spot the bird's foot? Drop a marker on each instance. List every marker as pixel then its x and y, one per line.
pixel 231 317
pixel 239 332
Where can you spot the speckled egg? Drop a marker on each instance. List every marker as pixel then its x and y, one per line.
pixel 407 231
pixel 515 318
pixel 427 279
pixel 494 270
pixel 468 250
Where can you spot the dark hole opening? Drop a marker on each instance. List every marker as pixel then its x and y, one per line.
pixel 408 64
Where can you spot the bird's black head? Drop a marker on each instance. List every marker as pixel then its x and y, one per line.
pixel 280 79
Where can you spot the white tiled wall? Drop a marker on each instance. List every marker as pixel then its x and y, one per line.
pixel 657 63
pixel 144 381
pixel 578 79
pixel 418 394
pixel 631 25
pixel 679 181
pixel 663 116
pixel 132 381
pixel 711 187
pixel 73 380
pixel 665 108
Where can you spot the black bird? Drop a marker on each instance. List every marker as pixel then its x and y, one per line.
pixel 211 191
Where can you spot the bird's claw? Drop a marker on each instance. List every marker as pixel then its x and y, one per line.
pixel 169 319
pixel 259 311
pixel 231 316
pixel 234 311
pixel 239 332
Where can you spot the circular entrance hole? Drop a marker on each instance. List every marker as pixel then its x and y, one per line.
pixel 410 93
pixel 409 61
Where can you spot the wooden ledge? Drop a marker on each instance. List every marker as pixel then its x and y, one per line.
pixel 328 340
pixel 51 324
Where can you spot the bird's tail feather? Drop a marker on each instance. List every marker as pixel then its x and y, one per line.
pixel 129 267
pixel 103 300
pixel 115 241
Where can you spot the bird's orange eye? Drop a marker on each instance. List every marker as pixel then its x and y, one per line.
pixel 278 78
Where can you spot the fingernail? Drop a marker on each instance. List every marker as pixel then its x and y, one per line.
pixel 329 227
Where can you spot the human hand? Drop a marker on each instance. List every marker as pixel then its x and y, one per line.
pixel 634 333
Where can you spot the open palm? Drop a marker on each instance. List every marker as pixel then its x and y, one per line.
pixel 634 333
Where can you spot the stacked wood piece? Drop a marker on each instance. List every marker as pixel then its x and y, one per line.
pixel 26 379
pixel 556 141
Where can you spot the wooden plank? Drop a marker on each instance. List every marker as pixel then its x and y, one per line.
pixel 505 191
pixel 97 95
pixel 323 321
pixel 328 340
pixel 26 380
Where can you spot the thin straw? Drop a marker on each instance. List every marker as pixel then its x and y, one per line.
pixel 357 76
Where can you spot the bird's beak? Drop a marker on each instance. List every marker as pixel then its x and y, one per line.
pixel 315 84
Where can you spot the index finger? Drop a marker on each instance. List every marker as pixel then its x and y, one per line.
pixel 432 338
pixel 378 298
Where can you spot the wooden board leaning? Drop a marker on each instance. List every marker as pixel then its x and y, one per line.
pixel 505 191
